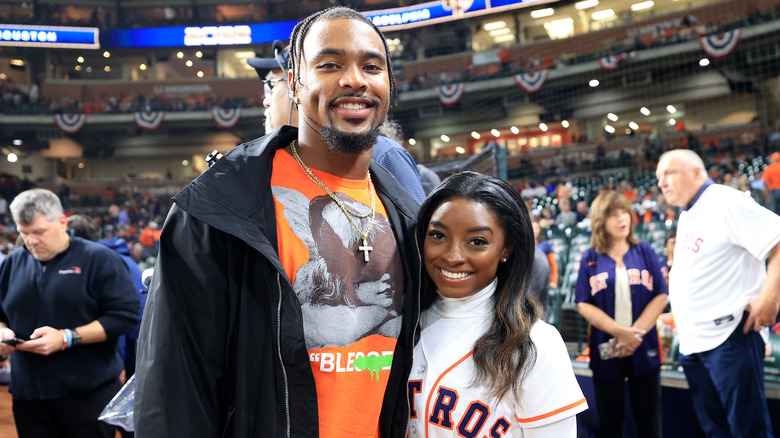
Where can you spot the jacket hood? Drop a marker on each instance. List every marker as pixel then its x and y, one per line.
pixel 117 244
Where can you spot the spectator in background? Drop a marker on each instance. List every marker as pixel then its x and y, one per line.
pixel 3 208
pixel 548 252
pixel 771 178
pixel 621 292
pixel 72 311
pixel 565 217
pixel 722 295
pixel 582 211
pixel 430 179
pixel 670 240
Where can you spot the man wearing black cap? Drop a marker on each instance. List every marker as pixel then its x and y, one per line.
pixel 281 111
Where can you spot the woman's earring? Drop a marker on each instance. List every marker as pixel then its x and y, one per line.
pixel 297 100
pixel 504 260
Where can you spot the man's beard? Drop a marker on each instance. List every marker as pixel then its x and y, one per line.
pixel 349 143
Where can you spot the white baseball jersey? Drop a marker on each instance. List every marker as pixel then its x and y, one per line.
pixel 722 243
pixel 443 400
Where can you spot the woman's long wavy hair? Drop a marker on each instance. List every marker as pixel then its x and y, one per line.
pixel 505 353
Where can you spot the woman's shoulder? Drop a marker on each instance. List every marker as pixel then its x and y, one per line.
pixel 544 334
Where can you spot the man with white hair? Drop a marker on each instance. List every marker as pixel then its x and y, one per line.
pixel 722 296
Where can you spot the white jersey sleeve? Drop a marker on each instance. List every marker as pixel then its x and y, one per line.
pixel 751 226
pixel 550 390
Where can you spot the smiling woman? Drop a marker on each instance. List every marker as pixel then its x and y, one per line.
pixel 485 364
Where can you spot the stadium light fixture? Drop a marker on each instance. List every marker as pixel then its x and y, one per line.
pixel 412 141
pixel 633 125
pixel 541 13
pixel 609 128
pixel 80 59
pixel 188 63
pixel 200 74
pixel 199 54
pixel 586 4
pixel 704 62
pixel 642 6
pixel 603 14
pixel 594 83
pixel 142 67
pixel 565 123
pixel 445 138
pixel 493 25
pixel 672 121
pixel 12 158
pixel 180 55
pixel 496 133
pixel 613 117
pixel 502 31
pixel 106 54
pixel 515 130
pixel 543 127
pixel 475 135
pixel 671 109
pixel 644 111
pixel 460 149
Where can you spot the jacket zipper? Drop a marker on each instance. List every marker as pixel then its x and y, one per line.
pixel 417 322
pixel 279 352
pixel 227 423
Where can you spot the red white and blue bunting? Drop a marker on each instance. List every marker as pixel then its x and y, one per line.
pixel 720 45
pixel 149 120
pixel 611 62
pixel 450 94
pixel 70 123
pixel 531 82
pixel 226 118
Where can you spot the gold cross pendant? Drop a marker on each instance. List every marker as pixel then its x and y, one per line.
pixel 365 248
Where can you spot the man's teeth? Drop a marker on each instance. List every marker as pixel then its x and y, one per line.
pixel 352 106
pixel 453 275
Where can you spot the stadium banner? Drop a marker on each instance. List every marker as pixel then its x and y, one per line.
pixel 59 37
pixel 450 94
pixel 226 118
pixel 531 82
pixel 720 45
pixel 70 123
pixel 150 120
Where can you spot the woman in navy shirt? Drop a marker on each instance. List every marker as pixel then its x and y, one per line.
pixel 620 292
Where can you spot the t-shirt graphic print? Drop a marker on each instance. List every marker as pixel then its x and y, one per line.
pixel 351 308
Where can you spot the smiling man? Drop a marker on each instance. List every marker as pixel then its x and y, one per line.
pixel 722 295
pixel 284 298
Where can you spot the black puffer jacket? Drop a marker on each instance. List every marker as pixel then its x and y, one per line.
pixel 222 350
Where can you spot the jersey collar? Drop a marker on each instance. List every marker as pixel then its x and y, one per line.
pixel 706 184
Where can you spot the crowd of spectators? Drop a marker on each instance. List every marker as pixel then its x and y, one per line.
pixel 19 100
pixel 654 35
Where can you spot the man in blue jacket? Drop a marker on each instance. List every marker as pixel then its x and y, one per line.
pixel 71 299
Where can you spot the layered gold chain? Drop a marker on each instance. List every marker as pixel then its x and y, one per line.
pixel 347 211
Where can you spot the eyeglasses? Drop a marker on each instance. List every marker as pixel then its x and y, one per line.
pixel 268 85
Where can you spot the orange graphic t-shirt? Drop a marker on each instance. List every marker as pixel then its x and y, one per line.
pixel 351 307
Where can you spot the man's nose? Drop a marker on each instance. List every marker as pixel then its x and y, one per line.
pixel 354 77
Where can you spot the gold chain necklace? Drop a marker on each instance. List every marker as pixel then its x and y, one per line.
pixel 349 213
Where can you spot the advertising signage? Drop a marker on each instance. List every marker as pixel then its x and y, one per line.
pixel 195 36
pixel 388 20
pixel 62 37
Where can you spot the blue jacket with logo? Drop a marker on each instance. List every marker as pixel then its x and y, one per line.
pixel 84 283
pixel 596 286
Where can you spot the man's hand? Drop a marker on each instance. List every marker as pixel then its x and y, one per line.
pixel 44 340
pixel 5 349
pixel 762 313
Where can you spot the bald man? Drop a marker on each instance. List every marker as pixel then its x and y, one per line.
pixel 722 295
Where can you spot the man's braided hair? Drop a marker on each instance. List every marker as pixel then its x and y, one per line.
pixel 337 12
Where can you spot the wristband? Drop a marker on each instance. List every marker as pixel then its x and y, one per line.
pixel 76 338
pixel 64 339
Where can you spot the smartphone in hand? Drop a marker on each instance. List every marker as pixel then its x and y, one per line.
pixel 13 341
